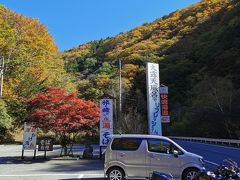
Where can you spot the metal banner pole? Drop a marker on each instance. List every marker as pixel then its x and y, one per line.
pixel 1 71
pixel 120 90
pixel 100 152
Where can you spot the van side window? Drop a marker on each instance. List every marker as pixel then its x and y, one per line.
pixel 158 145
pixel 127 144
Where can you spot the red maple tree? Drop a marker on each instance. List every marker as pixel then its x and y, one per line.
pixel 62 113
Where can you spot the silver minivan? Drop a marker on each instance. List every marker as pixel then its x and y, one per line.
pixel 138 156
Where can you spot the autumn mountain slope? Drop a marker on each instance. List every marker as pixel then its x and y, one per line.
pixel 198 50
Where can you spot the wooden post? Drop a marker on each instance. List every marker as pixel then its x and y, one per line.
pixel 45 154
pixel 22 154
pixel 34 156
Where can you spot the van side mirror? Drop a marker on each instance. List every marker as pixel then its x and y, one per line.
pixel 175 153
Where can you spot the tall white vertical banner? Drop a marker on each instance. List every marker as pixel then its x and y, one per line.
pixel 153 99
pixel 106 121
pixel 29 136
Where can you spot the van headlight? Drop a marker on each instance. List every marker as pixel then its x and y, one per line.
pixel 202 161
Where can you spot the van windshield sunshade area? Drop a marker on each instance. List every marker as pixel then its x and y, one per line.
pixel 127 144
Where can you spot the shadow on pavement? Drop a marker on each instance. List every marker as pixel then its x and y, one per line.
pixel 31 160
pixel 18 160
pixel 74 166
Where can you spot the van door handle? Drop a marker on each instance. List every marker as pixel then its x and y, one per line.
pixel 122 154
pixel 151 156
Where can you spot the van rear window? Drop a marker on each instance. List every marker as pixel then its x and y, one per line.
pixel 127 144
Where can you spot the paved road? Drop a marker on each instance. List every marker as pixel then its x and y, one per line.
pixel 12 167
pixel 52 169
pixel 213 154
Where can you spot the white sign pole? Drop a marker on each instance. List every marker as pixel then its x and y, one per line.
pixel 153 99
pixel 106 121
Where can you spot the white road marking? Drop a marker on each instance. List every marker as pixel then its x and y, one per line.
pixel 80 176
pixel 48 152
pixel 215 164
pixel 27 175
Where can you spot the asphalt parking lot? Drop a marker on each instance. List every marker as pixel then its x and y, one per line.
pixel 57 168
pixel 54 167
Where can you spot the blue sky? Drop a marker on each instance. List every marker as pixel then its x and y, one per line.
pixel 74 22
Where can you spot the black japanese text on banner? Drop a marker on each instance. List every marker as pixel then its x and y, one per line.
pixel 106 121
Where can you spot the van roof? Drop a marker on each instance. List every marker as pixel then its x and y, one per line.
pixel 138 136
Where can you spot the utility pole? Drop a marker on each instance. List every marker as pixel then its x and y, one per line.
pixel 1 74
pixel 120 90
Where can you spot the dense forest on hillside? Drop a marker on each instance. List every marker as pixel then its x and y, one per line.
pixel 198 50
pixel 31 65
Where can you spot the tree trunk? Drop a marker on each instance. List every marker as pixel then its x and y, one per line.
pixel 65 151
pixel 227 126
pixel 64 144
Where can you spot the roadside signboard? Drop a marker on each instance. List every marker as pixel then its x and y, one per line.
pixel 29 136
pixel 45 144
pixel 164 104
pixel 106 121
pixel 153 99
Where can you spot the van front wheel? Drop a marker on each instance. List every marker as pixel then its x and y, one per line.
pixel 115 174
pixel 189 174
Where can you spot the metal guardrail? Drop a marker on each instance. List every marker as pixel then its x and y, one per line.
pixel 226 142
